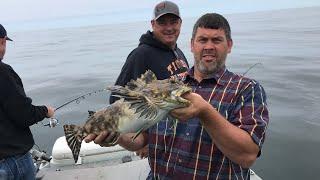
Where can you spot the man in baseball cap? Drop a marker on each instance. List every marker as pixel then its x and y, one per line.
pixel 17 114
pixel 157 51
pixel 3 33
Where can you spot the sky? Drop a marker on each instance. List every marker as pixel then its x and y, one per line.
pixel 19 14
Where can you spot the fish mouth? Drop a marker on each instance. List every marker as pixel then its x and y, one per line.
pixel 176 95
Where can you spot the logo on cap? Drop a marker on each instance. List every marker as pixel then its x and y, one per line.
pixel 160 6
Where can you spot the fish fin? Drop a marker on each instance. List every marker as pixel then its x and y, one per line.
pixel 124 92
pixel 137 101
pixel 132 90
pixel 150 112
pixel 137 134
pixel 146 109
pixel 126 97
pixel 91 113
pixel 147 77
pixel 118 90
pixel 74 137
pixel 142 81
pixel 133 95
pixel 134 85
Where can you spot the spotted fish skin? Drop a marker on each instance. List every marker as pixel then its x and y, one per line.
pixel 105 119
pixel 143 103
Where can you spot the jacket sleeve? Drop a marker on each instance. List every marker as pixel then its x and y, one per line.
pixel 16 106
pixel 132 69
pixel 251 113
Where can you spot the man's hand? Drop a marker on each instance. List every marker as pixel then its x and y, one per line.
pixel 198 104
pixel 105 138
pixel 143 153
pixel 50 112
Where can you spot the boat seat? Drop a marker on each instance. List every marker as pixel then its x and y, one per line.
pixel 89 152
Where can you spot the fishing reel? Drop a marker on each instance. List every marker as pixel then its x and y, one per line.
pixel 53 122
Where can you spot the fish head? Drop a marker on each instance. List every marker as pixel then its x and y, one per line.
pixel 167 93
pixel 148 90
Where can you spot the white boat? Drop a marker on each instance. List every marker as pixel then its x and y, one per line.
pixel 96 162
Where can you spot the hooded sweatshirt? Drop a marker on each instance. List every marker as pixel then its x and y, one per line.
pixel 16 114
pixel 152 54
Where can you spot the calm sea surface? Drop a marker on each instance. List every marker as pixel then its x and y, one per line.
pixel 61 64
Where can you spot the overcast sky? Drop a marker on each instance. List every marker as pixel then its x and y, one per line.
pixel 22 11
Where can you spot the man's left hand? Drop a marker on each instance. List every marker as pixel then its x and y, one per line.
pixel 197 105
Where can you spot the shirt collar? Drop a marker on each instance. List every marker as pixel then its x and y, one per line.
pixel 216 76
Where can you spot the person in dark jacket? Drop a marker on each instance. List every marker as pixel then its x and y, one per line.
pixel 157 50
pixel 17 114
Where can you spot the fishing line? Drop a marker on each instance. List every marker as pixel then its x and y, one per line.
pixel 78 99
pixel 53 122
pixel 252 66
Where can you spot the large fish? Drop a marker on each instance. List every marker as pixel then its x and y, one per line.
pixel 143 103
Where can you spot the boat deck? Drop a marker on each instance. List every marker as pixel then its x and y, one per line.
pixel 134 170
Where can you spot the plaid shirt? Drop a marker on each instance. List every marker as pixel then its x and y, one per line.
pixel 187 151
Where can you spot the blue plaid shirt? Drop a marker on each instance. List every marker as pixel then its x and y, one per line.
pixel 187 151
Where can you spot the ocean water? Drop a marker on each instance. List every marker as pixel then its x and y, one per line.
pixel 58 65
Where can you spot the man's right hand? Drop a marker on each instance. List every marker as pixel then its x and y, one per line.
pixel 107 139
pixel 143 153
pixel 104 139
pixel 50 112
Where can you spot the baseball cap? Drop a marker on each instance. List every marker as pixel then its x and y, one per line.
pixel 165 7
pixel 3 33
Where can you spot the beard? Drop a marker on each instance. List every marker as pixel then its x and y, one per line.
pixel 210 68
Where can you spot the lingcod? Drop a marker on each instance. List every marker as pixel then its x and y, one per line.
pixel 142 104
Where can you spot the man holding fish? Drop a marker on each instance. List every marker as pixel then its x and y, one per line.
pixel 220 134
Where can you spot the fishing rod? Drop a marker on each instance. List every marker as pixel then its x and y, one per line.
pixel 80 98
pixel 53 122
pixel 252 66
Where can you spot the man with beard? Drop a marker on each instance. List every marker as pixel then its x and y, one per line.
pixel 228 117
pixel 220 135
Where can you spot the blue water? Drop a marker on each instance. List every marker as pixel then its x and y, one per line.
pixel 58 65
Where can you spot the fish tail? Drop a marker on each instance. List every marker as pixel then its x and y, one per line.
pixel 74 137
